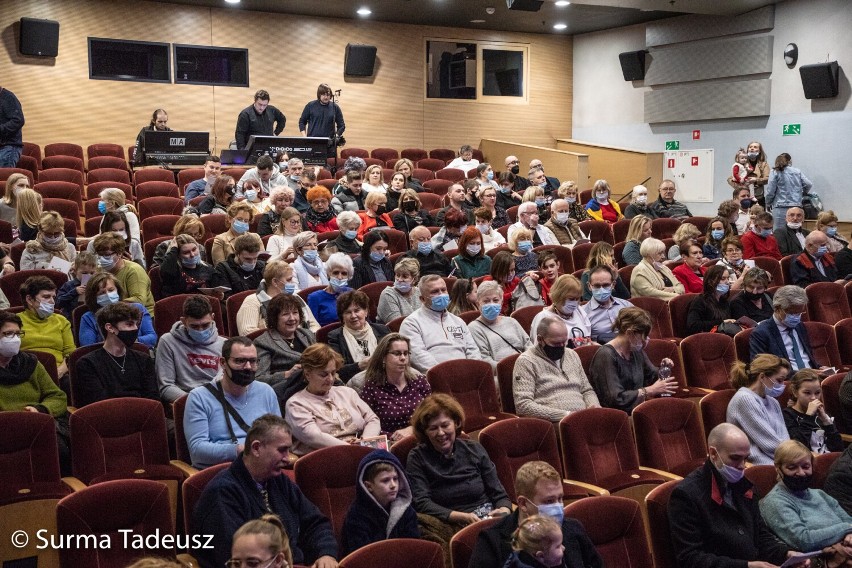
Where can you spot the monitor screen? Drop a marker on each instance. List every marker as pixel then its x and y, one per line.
pixel 176 142
pixel 311 150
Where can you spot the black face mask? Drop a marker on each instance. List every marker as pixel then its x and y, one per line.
pixel 746 204
pixel 797 483
pixel 381 210
pixel 553 353
pixel 128 337
pixel 515 169
pixel 409 206
pixel 751 296
pixel 242 377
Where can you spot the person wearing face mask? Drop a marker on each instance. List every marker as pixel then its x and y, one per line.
pixel 491 238
pixel 600 207
pixel 518 182
pixel 242 270
pixel 711 311
pixel 651 277
pixel 240 216
pixel 218 414
pixel 496 335
pixel 375 214
pixel 784 334
pixel 815 263
pixel 621 372
pixel 786 187
pixel 535 194
pixel 512 186
pixel 45 330
pixel 401 299
pixel 373 265
pixel 104 290
pixel 254 196
pixel 114 199
pixel 603 307
pixel 422 250
pixel 49 243
pixel 791 236
pixel 713 512
pixel 183 271
pixel 308 266
pixel 560 223
pixel 323 303
pixel 754 408
pixel 278 279
pixel 639 204
pixel 188 355
pixel 717 230
pixel 436 335
pixel 411 214
pixel 806 519
pixel 571 193
pixel 528 219
pixel 203 186
pixel 471 262
pixel 753 302
pixel 521 245
pixel 565 295
pixel 221 197
pixel 116 222
pixel 744 201
pixel 485 176
pixel 827 224
pixel 603 254
pixel 548 381
pixel 538 491
pixel 116 370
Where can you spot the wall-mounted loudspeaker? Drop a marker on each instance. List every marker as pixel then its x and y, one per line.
pixel 360 60
pixel 820 80
pixel 524 5
pixel 633 65
pixel 39 37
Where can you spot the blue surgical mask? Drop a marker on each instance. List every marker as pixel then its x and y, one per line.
pixel 310 255
pixel 350 234
pixel 295 177
pixel 717 234
pixel 539 201
pixel 775 390
pixel 44 309
pixel 191 262
pixel 239 227
pixel 108 298
pixel 552 510
pixel 106 262
pixel 473 250
pixel 831 231
pixel 251 194
pixel 376 256
pixel 766 233
pixel 753 156
pixel 290 288
pixel 601 294
pixel 571 199
pixel 820 252
pixel 792 320
pixel 440 302
pixel 402 286
pixel 723 287
pixel 248 266
pixel 490 311
pixel 337 284
pixel 505 190
pixel 490 175
pixel 524 246
pixel 484 228
pixel 569 307
pixel 424 248
pixel 102 207
pixel 203 336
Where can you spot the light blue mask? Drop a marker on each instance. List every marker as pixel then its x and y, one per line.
pixel 350 234
pixel 440 302
pixel 766 233
pixel 204 336
pixel 338 284
pixel 723 287
pixel 602 199
pixel 831 231
pixel 240 227
pixel 717 234
pixel 251 195
pixel 490 311
pixel 490 175
pixel 402 287
pixel 505 190
pixel 552 510
pixel 376 256
pixel 524 246
pixel 106 262
pixel 601 294
pixel 792 320
pixel 191 262
pixel 248 266
pixel 45 309
pixel 539 201
pixel 102 207
pixel 108 298
pixel 310 255
pixel 424 248
pixel 820 252
pixel 775 390
pixel 290 288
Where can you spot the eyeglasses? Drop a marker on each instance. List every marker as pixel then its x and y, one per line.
pixel 252 563
pixel 398 353
pixel 11 334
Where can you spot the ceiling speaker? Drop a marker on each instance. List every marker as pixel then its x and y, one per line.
pixel 633 65
pixel 820 80
pixel 359 60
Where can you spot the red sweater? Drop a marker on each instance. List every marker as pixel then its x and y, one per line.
pixel 754 245
pixel 692 283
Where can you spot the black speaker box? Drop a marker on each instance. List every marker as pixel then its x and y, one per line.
pixel 360 60
pixel 524 5
pixel 820 80
pixel 39 37
pixel 633 65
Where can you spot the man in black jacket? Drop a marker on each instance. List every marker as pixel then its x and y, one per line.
pixel 421 250
pixel 11 124
pixel 539 491
pixel 713 512
pixel 254 485
pixel 791 237
pixel 242 270
pixel 260 119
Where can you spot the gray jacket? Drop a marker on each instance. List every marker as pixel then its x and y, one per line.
pixel 182 364
pixel 275 356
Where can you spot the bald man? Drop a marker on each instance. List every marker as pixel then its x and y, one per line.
pixel 514 165
pixel 791 237
pixel 421 250
pixel 815 263
pixel 713 512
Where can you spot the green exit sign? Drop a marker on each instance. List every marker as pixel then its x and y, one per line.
pixel 792 129
pixel 672 145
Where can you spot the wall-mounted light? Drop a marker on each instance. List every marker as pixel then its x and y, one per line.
pixel 364 11
pixel 791 55
pixel 560 26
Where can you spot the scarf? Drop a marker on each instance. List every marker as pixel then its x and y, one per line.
pixel 314 219
pixel 360 341
pixel 60 249
pixel 312 269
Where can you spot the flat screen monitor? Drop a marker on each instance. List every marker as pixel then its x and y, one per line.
pixel 176 142
pixel 312 150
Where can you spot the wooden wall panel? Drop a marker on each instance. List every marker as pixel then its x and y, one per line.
pixel 288 56
pixel 623 168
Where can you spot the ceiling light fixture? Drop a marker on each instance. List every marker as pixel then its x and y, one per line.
pixel 477 21
pixel 364 11
pixel 560 26
pixel 561 3
pixel 232 1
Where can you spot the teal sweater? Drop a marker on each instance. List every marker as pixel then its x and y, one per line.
pixel 471 267
pixel 807 523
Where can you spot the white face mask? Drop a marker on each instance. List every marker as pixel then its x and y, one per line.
pixel 642 199
pixel 9 346
pixel 562 217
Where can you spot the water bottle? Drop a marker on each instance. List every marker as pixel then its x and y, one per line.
pixel 665 373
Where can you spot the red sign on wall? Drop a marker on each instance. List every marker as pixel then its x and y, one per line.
pixel 670 164
pixel 696 135
pixel 695 160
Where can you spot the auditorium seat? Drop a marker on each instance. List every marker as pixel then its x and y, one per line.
pixel 429 201
pixel 93 190
pixel 619 230
pixel 161 205
pixel 664 228
pixel 616 528
pixel 188 175
pixel 157 189
pixel 618 254
pixel 150 247
pixel 69 210
pixel 843 333
pixel 678 308
pixel 580 254
pixel 232 306
pixel 423 174
pixel 68 162
pixel 62 174
pixel 92 225
pixel 29 164
pixel 110 175
pixel 394 324
pixel 32 150
pixel 60 190
pixel 471 383
pixel 100 162
pixel 505 371
pixel 153 174
pixel 822 465
pixel 763 477
pixel 105 150
pixel 773 267
pixel 700 223
pixel 563 256
pixel 384 154
pixel 192 488
pixel 707 359
pixel 324 174
pixel 827 302
pixel 181 443
pixel 525 317
pixel 48 361
pixel 714 408
pixel 236 173
pixel 169 310
pixel 5 231
pixel 478 155
pixel 437 186
pixel 443 154
pixel 785 269
pixel 6 173
pixel 309 290
pixel 63 149
pixel 414 154
pixel 374 291
pixel 356 152
pixel 657 506
pixel 432 164
pixel 669 435
pixel 597 231
pixel 397 553
pixel 215 224
pixel 463 542
pixel 831 399
pixel 11 283
pixel 452 174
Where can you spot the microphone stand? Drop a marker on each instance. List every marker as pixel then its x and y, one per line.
pixel 334 136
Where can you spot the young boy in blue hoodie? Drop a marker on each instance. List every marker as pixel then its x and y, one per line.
pixel 382 507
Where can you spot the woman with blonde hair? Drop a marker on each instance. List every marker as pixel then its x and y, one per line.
pixel 374 180
pixel 601 207
pixel 521 245
pixel 240 216
pixel 411 213
pixel 827 223
pixel 114 199
pixel 187 225
pixel 406 168
pixel 260 541
pixel 375 214
pixel 401 299
pixel 755 408
pixel 806 519
pixel 28 214
pixel 49 243
pixel 9 202
pixel 685 235
pixel 571 193
pixel 638 230
pixel 183 270
pixel 566 294
pixel 535 194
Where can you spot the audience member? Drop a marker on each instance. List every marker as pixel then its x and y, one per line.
pixel 503 272
pixel 713 512
pixel 203 186
pixel 815 263
pixel 511 187
pixel 638 230
pixel 183 271
pixel 743 198
pixel 221 197
pixel 666 205
pixel 44 330
pixel 496 215
pixel 322 414
pixel 732 259
pixel 278 278
pixel 260 119
pixel 116 222
pixel 754 407
pixel 565 295
pixel 102 290
pixel 71 294
pixel 785 189
pixel 255 196
pixel 717 230
pixel 844 262
pixel 513 168
pixel 566 229
pixel 431 261
pixel 373 265
pixel 526 260
pixel 826 223
pixel 711 310
pixel 471 262
pixel 9 202
pixel 406 168
pixel 550 269
pixel 374 179
pixel 790 236
pixel 621 372
pixel 447 238
pixel 603 307
pixel 435 334
pixel 759 240
pixel 253 485
pixel 455 201
pixel 242 270
pixel 309 267
pixel 497 336
pixel 528 219
pixel 651 277
pixel 238 220
pixel 639 204
pixel 537 543
pixel 281 198
pixel 320 217
pixel 116 370
pixel 838 483
pixel 351 196
pixel 375 216
pixel 115 200
pixel 691 272
pixel 411 213
pixel 686 234
pixel 50 243
pixel 463 297
pixel 806 419
pixel 280 244
pixel 571 193
pixel 357 338
pixel 323 303
pixel 550 183
pixel 601 207
pixel 287 335
pixel 27 214
pixel 730 211
pixel 603 254
pixel 256 539
pixel 188 355
pixel 465 160
pixel 189 225
pixel 292 169
pixel 753 302
pixel 394 192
